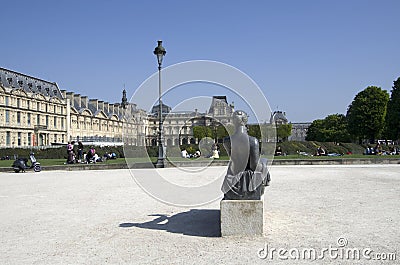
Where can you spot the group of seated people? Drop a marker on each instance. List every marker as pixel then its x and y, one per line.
pixel 92 157
pixel 185 154
pixel 319 152
pixel 377 150
pixel 214 153
pixel 89 157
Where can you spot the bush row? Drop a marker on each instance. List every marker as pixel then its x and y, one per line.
pixel 290 148
pixel 57 153
pixel 310 147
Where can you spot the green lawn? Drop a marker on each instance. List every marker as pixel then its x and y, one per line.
pixel 54 162
pixel 337 157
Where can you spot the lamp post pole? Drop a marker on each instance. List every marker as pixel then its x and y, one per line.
pixel 276 126
pixel 159 51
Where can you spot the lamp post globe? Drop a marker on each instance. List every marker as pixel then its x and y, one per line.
pixel 160 52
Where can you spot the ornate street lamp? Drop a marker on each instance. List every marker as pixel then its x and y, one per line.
pixel 159 51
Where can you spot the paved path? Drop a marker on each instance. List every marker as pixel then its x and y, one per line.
pixel 103 217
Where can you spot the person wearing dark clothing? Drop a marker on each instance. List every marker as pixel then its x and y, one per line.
pixel 80 151
pixel 90 155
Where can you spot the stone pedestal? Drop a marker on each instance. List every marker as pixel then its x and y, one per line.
pixel 242 217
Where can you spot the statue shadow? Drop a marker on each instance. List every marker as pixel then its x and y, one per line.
pixel 203 222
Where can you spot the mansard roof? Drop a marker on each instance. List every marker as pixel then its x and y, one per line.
pixel 15 80
pixel 217 100
pixel 165 109
pixel 278 116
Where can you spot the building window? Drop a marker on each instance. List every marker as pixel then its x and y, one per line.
pixel 18 102
pixel 55 138
pixel 29 138
pixel 18 117
pixel 38 106
pixel 7 101
pixel 8 138
pixel 19 139
pixel 38 119
pixel 55 122
pixel 7 116
pixel 62 123
pixel 47 120
pixel 46 107
pixel 28 104
pixel 29 119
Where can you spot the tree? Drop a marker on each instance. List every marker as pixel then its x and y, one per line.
pixel 201 132
pixel 331 129
pixel 392 130
pixel 283 131
pixel 366 114
pixel 315 131
pixel 254 130
pixel 223 131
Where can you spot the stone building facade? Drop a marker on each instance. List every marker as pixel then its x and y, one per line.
pixel 35 112
pixel 32 111
pixel 178 126
pixel 299 131
pixel 97 121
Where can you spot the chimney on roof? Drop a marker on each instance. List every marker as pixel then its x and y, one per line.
pixel 63 92
pixel 116 109
pixel 106 107
pixel 77 101
pixel 94 104
pixel 101 105
pixel 84 102
pixel 70 96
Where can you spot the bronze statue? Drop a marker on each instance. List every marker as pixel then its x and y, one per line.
pixel 247 174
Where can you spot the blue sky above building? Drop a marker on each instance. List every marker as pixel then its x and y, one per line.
pixel 310 58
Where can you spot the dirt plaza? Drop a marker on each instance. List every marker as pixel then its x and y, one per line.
pixel 104 217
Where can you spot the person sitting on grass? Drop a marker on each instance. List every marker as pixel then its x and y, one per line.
pixel 278 151
pixel 184 154
pixel 321 151
pixel 197 154
pixel 215 154
pixel 90 155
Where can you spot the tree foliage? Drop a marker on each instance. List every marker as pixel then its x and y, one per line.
pixel 222 132
pixel 219 131
pixel 392 130
pixel 283 131
pixel 366 114
pixel 331 129
pixel 254 130
pixel 201 132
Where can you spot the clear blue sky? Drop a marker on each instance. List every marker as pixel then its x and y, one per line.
pixel 309 57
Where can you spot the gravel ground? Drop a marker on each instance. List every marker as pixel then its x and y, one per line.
pixel 103 217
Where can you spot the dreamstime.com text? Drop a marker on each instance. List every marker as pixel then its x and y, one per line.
pixel 340 251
